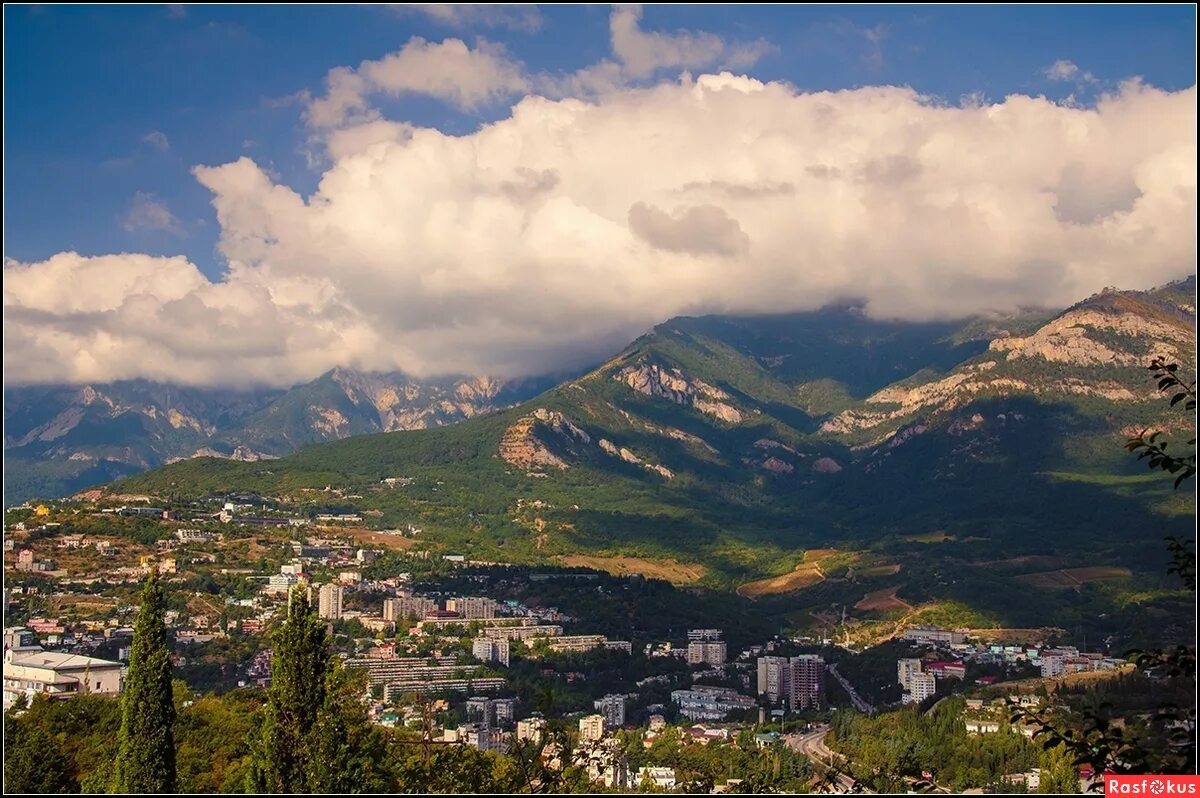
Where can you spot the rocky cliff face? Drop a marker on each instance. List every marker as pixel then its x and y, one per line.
pixel 1099 349
pixel 672 384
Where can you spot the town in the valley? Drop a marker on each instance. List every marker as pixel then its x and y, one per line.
pixel 468 653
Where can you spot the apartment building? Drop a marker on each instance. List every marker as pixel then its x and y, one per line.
pixel 710 652
pixel 329 602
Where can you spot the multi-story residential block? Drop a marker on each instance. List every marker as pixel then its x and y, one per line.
pixel 472 608
pixel 612 708
pixel 195 535
pixel 531 729
pixel 400 675
pixel 489 650
pixel 704 634
pixel 604 761
pixel 591 727
pixel 710 652
pixel 480 712
pixel 329 602
pixel 527 631
pixel 379 625
pixel 576 642
pixel 505 711
pixel 774 678
pixel 905 670
pixel 808 682
pixel 709 703
pixel 920 687
pixel 407 607
pixel 280 583
pixel 1053 665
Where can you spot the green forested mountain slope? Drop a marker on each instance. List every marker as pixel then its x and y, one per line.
pixel 691 445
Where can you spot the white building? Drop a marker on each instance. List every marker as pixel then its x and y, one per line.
pixel 710 703
pixel 30 670
pixel 921 686
pixel 472 608
pixel 489 650
pixel 329 602
pixel 704 634
pixel 661 778
pixel 1053 665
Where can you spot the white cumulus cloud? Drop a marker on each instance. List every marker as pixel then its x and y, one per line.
pixel 551 237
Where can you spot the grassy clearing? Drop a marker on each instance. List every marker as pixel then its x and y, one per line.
pixel 808 573
pixel 673 571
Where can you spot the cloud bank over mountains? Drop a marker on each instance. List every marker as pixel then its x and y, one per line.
pixel 605 202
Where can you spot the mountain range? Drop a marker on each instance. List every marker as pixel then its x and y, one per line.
pixel 966 472
pixel 61 438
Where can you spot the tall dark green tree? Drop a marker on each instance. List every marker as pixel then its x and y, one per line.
pixel 146 742
pixel 282 757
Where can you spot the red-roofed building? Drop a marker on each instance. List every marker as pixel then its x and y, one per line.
pixel 947 670
pixel 986 680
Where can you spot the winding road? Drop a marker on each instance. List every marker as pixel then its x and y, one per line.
pixel 812 745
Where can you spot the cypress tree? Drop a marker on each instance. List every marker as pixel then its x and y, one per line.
pixel 299 664
pixel 146 742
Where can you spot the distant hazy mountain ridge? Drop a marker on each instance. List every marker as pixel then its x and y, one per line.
pixel 61 438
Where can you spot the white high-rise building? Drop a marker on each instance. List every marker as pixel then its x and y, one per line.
pixel 704 634
pixel 329 602
pixel 922 686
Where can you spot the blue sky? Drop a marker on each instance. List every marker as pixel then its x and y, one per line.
pixel 109 106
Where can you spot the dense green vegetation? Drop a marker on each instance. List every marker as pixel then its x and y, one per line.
pixel 885 749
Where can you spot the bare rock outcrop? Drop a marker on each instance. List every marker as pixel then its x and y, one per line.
pixel 673 385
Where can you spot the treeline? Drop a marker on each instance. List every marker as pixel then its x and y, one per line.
pixel 887 750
